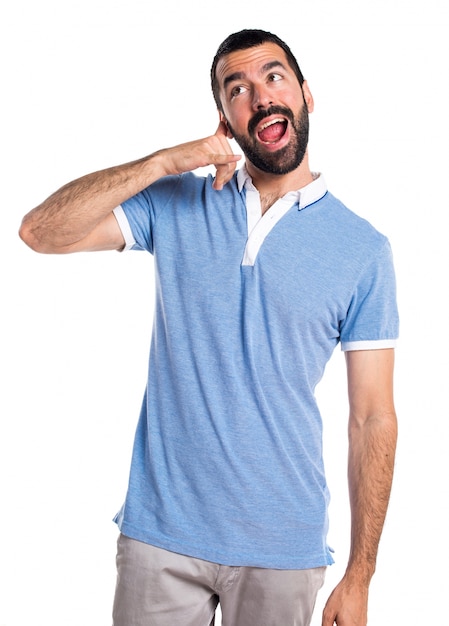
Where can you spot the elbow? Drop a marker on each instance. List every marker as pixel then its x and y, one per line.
pixel 30 237
pixel 27 235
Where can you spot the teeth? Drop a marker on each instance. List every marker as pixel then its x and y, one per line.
pixel 276 121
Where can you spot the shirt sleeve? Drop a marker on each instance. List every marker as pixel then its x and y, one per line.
pixel 137 216
pixel 372 320
pixel 124 226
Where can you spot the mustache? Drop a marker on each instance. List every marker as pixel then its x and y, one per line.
pixel 263 113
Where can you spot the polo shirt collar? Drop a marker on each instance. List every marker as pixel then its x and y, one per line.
pixel 305 196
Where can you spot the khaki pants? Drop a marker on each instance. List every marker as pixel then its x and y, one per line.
pixel 160 588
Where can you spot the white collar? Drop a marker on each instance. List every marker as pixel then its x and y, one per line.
pixel 305 196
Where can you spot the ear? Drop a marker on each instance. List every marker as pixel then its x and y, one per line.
pixel 223 119
pixel 308 97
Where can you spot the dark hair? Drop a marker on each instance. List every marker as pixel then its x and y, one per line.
pixel 242 40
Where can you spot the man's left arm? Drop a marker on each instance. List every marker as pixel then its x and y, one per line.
pixel 372 445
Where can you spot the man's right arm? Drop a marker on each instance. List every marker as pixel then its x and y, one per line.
pixel 79 216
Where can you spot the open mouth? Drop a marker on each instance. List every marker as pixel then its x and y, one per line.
pixel 272 131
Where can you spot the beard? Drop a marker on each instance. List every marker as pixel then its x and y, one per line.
pixel 285 159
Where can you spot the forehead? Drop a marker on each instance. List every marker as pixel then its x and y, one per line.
pixel 249 61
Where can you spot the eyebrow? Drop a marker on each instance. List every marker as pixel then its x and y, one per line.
pixel 239 75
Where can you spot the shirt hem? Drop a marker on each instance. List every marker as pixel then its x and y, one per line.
pixel 236 560
pixel 125 227
pixel 379 344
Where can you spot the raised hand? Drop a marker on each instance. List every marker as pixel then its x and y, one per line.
pixel 213 150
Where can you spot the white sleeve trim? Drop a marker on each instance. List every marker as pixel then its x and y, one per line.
pixel 124 226
pixel 380 344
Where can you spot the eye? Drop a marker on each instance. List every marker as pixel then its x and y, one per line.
pixel 274 77
pixel 237 90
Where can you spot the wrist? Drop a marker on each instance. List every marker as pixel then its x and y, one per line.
pixel 360 574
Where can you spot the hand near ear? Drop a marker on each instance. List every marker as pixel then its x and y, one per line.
pixel 225 168
pixel 213 150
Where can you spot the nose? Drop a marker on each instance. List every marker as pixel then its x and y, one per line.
pixel 262 99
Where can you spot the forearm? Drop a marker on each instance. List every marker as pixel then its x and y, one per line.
pixel 372 444
pixel 73 211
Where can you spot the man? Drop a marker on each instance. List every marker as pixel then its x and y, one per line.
pixel 260 272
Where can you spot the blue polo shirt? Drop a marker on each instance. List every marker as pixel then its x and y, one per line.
pixel 227 462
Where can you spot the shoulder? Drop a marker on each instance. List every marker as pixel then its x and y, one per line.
pixel 349 227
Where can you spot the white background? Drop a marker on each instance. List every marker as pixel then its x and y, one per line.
pixel 94 83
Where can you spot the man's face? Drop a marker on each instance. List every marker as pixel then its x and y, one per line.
pixel 264 107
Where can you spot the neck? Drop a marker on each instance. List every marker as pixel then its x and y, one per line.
pixel 280 184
